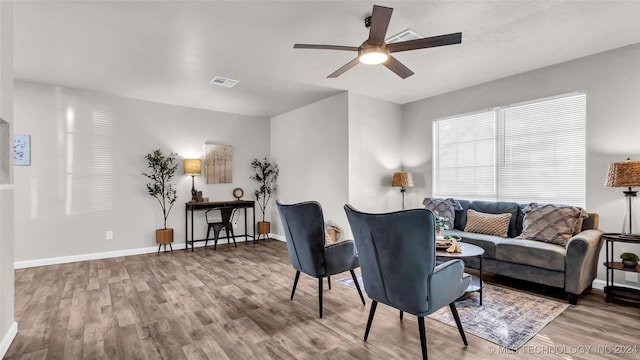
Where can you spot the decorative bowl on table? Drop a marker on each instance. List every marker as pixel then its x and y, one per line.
pixel 444 242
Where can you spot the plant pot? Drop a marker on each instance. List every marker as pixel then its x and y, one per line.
pixel 629 263
pixel 164 236
pixel 264 227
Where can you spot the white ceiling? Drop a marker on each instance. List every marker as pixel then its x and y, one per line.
pixel 167 51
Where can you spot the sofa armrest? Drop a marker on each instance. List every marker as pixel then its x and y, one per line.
pixel 581 260
pixel 447 283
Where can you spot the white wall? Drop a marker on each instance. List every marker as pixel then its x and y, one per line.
pixel 8 326
pixel 612 82
pixel 87 155
pixel 374 154
pixel 310 145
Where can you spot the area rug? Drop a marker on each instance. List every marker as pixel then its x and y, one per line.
pixel 507 317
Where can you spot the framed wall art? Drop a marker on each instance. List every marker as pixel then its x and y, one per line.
pixel 218 163
pixel 21 150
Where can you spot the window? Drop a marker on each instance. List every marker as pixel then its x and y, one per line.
pixel 527 152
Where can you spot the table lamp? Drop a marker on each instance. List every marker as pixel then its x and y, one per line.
pixel 627 174
pixel 192 167
pixel 402 179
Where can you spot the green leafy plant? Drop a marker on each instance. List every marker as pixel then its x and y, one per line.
pixel 441 221
pixel 266 175
pixel 629 256
pixel 161 171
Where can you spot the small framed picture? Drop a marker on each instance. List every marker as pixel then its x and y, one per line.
pixel 21 150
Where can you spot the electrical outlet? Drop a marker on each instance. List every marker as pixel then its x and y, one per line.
pixel 235 225
pixel 631 276
pixel 109 235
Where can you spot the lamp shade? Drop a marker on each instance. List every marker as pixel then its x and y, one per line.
pixel 402 179
pixel 624 174
pixel 192 166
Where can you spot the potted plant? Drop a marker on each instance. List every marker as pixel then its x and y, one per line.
pixel 629 259
pixel 266 175
pixel 161 171
pixel 441 222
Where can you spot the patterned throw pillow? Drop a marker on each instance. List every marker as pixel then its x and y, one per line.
pixel 490 224
pixel 446 208
pixel 551 223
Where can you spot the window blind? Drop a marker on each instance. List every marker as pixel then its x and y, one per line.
pixel 537 153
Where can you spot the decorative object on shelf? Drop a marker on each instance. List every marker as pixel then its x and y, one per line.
pixel 629 259
pixel 161 171
pixel 218 163
pixel 193 167
pixel 22 150
pixel 627 174
pixel 402 179
pixel 238 193
pixel 266 175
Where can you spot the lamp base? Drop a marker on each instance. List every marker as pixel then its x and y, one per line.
pixel 631 225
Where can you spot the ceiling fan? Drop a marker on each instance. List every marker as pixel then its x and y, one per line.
pixel 375 50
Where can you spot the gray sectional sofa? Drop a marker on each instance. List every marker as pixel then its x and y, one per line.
pixel 572 268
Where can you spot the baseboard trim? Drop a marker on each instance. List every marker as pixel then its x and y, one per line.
pixel 7 339
pixel 277 237
pixel 101 255
pixel 600 284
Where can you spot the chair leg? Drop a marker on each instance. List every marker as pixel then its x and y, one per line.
pixel 295 283
pixel 159 246
pixel 207 240
pixel 171 247
pixel 233 236
pixel 216 235
pixel 355 281
pixel 320 296
pixel 329 281
pixel 401 314
pixel 423 337
pixel 372 312
pixel 454 311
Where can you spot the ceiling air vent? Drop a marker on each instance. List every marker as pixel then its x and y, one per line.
pixel 405 35
pixel 223 81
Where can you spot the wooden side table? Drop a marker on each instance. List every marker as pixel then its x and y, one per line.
pixel 468 250
pixel 618 292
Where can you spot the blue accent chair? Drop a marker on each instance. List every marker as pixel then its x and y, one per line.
pixel 399 269
pixel 303 225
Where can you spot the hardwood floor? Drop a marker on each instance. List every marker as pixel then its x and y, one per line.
pixel 233 303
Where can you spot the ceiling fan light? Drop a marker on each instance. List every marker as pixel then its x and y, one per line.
pixel 373 55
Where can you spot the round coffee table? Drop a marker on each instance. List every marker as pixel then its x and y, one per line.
pixel 468 250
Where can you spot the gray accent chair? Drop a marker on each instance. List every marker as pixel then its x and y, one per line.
pixel 303 225
pixel 399 269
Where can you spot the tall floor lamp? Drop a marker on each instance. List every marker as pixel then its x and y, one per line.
pixel 402 179
pixel 627 174
pixel 192 167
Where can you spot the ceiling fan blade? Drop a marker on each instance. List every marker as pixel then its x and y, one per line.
pixel 344 68
pixel 441 40
pixel 397 67
pixel 325 47
pixel 379 23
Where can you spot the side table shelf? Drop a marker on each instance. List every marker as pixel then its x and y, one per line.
pixel 618 292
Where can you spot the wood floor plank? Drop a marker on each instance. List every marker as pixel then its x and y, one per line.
pixel 233 303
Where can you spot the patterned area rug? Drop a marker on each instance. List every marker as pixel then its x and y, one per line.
pixel 507 317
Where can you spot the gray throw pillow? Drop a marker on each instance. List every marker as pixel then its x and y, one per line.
pixel 553 223
pixel 446 207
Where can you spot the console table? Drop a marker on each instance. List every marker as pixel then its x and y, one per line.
pixel 613 291
pixel 202 206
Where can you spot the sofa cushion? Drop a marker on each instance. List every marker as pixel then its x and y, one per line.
pixel 487 242
pixel 500 207
pixel 552 223
pixel 490 224
pixel 445 207
pixel 533 253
